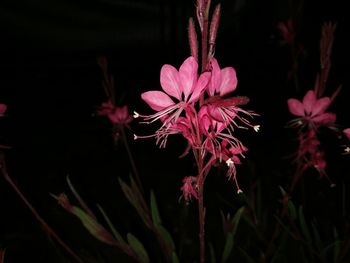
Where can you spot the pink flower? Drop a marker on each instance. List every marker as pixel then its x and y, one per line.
pixel 3 109
pixel 309 151
pixel 312 110
pixel 287 31
pixel 229 153
pixel 183 85
pixel 225 110
pixel 347 133
pixel 120 115
pixel 189 188
pixel 117 115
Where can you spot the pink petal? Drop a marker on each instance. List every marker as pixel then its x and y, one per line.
pixel 228 81
pixel 295 107
pixel 157 100
pixel 321 106
pixel 170 81
pixel 200 86
pixel 215 79
pixel 309 101
pixel 347 132
pixel 325 118
pixel 214 112
pixel 188 76
pixel 3 109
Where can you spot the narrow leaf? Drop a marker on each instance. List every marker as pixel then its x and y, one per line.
pixel 212 253
pixel 78 197
pixel 97 230
pixel 292 210
pixel 317 239
pixel 303 226
pixel 236 219
pixel 137 246
pixel 166 237
pixel 154 210
pixel 111 226
pixel 228 247
pixel 174 258
pixel 245 255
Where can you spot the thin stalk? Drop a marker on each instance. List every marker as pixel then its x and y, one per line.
pixel 47 228
pixel 201 212
pixel 131 159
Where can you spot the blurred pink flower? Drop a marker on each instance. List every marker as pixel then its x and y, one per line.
pixel 287 31
pixel 347 133
pixel 311 110
pixel 189 188
pixel 3 109
pixel 309 150
pixel 117 115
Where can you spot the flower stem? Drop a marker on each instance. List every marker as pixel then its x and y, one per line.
pixel 131 159
pixel 46 227
pixel 201 215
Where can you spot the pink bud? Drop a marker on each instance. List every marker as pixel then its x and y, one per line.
pixel 192 37
pixel 214 28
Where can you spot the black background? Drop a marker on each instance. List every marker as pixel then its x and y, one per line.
pixel 50 80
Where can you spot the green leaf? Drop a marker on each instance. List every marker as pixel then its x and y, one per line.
pixel 292 210
pixel 78 197
pixel 166 237
pixel 230 236
pixel 137 246
pixel 228 247
pixel 174 258
pixel 236 219
pixel 154 210
pixel 111 226
pixel 97 230
pixel 282 191
pixel 245 255
pixel 212 253
pixel 317 239
pixel 303 226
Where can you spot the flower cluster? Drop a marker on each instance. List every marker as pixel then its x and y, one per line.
pixel 311 114
pixel 198 108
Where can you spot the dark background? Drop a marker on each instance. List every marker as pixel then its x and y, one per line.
pixel 50 80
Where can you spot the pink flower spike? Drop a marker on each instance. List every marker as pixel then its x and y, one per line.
pixel 3 109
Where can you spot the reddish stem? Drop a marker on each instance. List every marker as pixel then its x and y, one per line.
pixel 47 228
pixel 201 212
